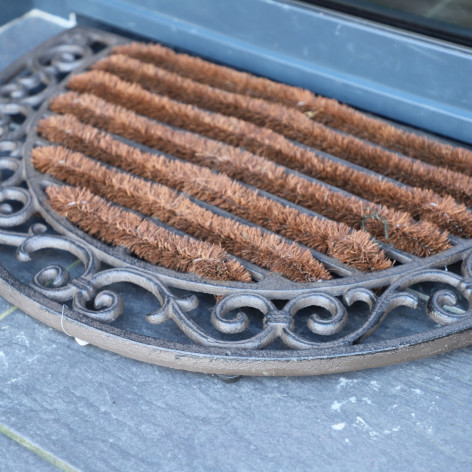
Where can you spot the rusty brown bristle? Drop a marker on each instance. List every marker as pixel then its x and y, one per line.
pixel 252 244
pixel 218 189
pixel 287 121
pixel 269 175
pixel 418 238
pixel 321 109
pixel 144 238
pixel 421 203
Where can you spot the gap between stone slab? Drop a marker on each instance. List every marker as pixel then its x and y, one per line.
pixel 55 461
pixel 7 312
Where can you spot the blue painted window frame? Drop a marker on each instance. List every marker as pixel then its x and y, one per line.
pixel 401 75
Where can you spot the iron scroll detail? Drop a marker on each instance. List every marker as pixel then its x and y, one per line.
pixel 268 327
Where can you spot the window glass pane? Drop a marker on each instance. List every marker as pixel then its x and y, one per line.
pixel 447 19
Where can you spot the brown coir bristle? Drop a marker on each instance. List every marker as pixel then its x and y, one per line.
pixel 134 97
pixel 217 189
pixel 324 110
pixel 417 238
pixel 349 120
pixel 147 240
pixel 421 204
pixel 252 244
pixel 212 74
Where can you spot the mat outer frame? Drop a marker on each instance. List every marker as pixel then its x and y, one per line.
pixel 46 69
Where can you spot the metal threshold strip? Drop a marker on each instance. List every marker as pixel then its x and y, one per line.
pixel 274 317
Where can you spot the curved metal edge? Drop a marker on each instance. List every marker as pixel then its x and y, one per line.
pixel 220 361
pixel 273 286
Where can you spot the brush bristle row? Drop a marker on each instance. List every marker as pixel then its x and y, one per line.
pixel 326 111
pixel 249 243
pixel 218 189
pixel 267 143
pixel 287 121
pixel 422 238
pixel 234 132
pixel 147 240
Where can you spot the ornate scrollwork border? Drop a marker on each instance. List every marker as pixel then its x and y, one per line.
pixel 84 306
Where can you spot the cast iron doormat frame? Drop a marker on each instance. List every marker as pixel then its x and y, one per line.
pixel 83 307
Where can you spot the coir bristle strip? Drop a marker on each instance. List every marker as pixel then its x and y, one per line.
pixel 444 212
pixel 268 251
pixel 353 248
pixel 325 110
pixel 417 238
pixel 144 238
pixel 287 121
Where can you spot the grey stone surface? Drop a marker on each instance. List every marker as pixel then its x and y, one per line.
pixel 14 41
pixel 16 457
pixel 101 412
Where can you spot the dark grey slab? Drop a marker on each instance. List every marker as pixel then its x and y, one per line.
pixel 13 40
pixel 99 411
pixel 16 454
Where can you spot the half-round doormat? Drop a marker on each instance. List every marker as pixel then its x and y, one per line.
pixel 190 215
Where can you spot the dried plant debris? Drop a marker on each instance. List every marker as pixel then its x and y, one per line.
pixel 231 135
